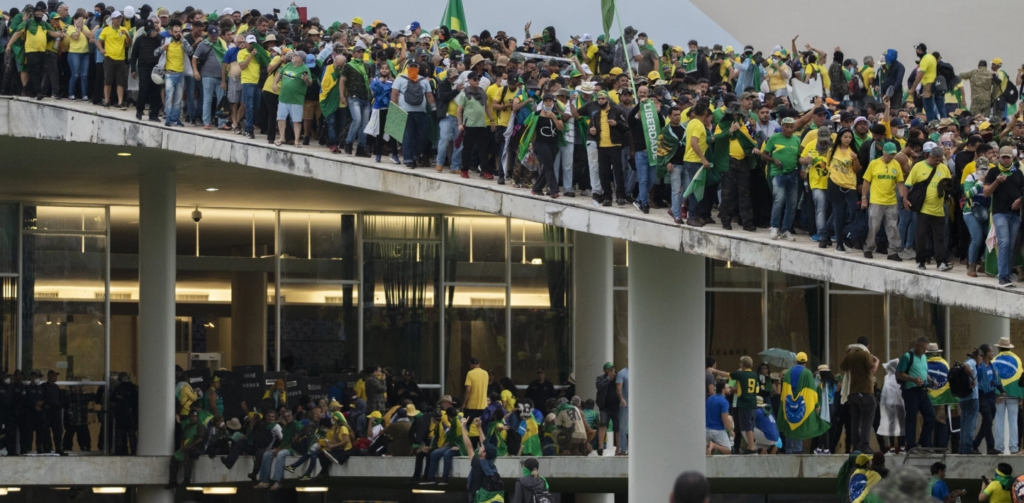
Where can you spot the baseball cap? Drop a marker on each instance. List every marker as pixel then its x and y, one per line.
pixel 216 379
pixel 609 365
pixel 615 71
pixel 250 39
pixel 997 61
pixel 801 357
pixel 889 148
pixel 310 61
pixel 360 45
pixel 357 20
pixel 820 111
pixel 116 14
pixel 213 30
pixel 1006 150
pixel 414 26
pixel 928 145
pixel 788 120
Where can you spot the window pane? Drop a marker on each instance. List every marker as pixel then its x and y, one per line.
pixel 124 231
pixel 474 326
pixel 400 304
pixel 8 324
pixel 620 328
pixel 537 233
pixel 541 314
pixel 64 218
pixel 910 319
pixel 620 269
pixel 795 317
pixel 64 305
pixel 733 326
pixel 730 275
pixel 851 316
pixel 236 233
pixel 475 250
pixel 319 327
pixel 318 246
pixel 185 232
pixel 9 238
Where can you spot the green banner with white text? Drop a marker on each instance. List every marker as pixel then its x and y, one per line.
pixel 652 125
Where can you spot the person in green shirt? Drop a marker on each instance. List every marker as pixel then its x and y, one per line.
pixel 782 153
pixel 912 371
pixel 193 434
pixel 747 388
pixel 277 458
pixel 291 83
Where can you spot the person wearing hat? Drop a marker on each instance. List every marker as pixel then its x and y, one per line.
pixel 607 401
pixel 799 393
pixel 540 390
pixel 1008 369
pixel 983 90
pixel 931 216
pixel 884 175
pixel 740 162
pixel 782 153
pixel 531 484
pixel 474 114
pixel 609 125
pixel 862 480
pixel 912 373
pixel 357 95
pixel 973 176
pixel 766 432
pixel 193 435
pixel 927 71
pixel 113 43
pixel 250 78
pixel 207 67
pixel 1005 185
pixel 291 82
pixel 412 93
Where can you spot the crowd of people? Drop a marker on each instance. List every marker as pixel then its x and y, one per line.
pixel 960 408
pixel 891 158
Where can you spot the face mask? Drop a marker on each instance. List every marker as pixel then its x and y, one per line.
pixel 531 92
pixel 504 82
pixel 7 381
pixel 36 381
pixel 547 108
pixel 899 132
pixel 641 41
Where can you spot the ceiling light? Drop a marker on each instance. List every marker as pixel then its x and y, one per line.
pixel 124 154
pixel 3 491
pixel 311 489
pixel 193 488
pixel 212 189
pixel 13 489
pixel 537 261
pixel 220 490
pixel 427 491
pixel 61 488
pixel 109 490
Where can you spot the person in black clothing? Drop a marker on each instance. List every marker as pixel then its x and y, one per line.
pixel 407 389
pixel 1005 185
pixel 608 402
pixel 545 145
pixel 33 420
pixel 126 416
pixel 609 152
pixel 54 418
pixel 142 62
pixel 8 418
pixel 646 171
pixel 23 411
pixel 540 390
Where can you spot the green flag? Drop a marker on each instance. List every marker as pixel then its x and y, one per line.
pixel 454 16
pixel 607 15
pixel 800 413
pixel 652 126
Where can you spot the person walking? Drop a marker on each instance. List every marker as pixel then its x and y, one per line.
pixel 859 367
pixel 746 401
pixel 912 371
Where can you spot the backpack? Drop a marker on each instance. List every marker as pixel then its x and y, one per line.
pixel 493 484
pixel 919 191
pixel 542 496
pixel 857 230
pixel 1010 94
pixel 414 94
pixel 959 381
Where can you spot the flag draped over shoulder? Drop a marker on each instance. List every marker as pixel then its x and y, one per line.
pixel 530 433
pixel 330 100
pixel 938 391
pixel 262 56
pixel 454 16
pixel 798 418
pixel 668 145
pixel 1008 368
pixel 531 131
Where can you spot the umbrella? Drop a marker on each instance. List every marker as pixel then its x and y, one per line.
pixel 778 357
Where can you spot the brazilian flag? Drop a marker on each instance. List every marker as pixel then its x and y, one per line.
pixel 938 391
pixel 799 417
pixel 1007 366
pixel 529 431
pixel 861 483
pixel 497 437
pixel 483 496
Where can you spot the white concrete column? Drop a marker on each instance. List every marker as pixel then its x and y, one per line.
pixel 666 353
pixel 987 329
pixel 593 344
pixel 156 321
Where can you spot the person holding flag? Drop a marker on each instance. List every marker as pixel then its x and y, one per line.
pixel 735 163
pixel 938 392
pixel 1007 367
pixel 799 416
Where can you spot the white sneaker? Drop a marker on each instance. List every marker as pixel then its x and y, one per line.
pixel 787 236
pixel 261 485
pixel 773 233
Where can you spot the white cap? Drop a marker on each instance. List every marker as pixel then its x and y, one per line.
pixel 928 145
pixel 250 39
pixel 585 38
pixel 129 12
pixel 586 69
pixel 116 14
pixel 360 45
pixel 227 11
pixel 424 35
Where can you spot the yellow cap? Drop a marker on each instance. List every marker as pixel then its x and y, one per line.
pixel 616 71
pixel 997 61
pixel 677 49
pixel 654 75
pixel 357 20
pixel 729 49
pixel 801 357
pixel 375 414
pixel 985 125
pixel 375 23
pixel 863 459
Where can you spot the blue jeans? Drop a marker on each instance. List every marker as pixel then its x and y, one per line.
pixel 968 420
pixel 681 178
pixel 79 63
pixel 1007 408
pixel 628 175
pixel 251 98
pixel 335 125
pixel 435 457
pixel 417 134
pixel 977 230
pixel 793 446
pixel 1007 225
pixel 820 212
pixel 916 400
pixel 647 174
pixel 907 225
pixel 173 90
pixel 931 107
pixel 449 130
pixel 211 90
pixel 360 111
pixel 986 411
pixel 277 462
pixel 191 101
pixel 563 166
pixel 784 196
pixel 624 429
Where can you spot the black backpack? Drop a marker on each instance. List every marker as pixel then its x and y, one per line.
pixel 919 191
pixel 414 94
pixel 959 381
pixel 542 496
pixel 493 484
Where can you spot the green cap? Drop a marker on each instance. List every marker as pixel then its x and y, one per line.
pixel 609 365
pixel 602 94
pixel 889 148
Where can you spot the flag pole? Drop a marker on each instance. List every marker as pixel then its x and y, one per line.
pixel 622 37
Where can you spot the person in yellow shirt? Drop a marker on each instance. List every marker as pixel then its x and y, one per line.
pixel 696 143
pixel 114 42
pixel 931 215
pixel 250 81
pixel 176 51
pixel 79 37
pixel 927 70
pixel 608 125
pixel 476 392
pixel 881 180
pixel 51 77
pixel 814 159
pixel 37 32
pixel 843 167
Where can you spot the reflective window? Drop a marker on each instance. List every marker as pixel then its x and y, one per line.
pixel 731 275
pixel 620 328
pixel 8 324
pixel 475 326
pixel 910 319
pixel 795 322
pixel 729 334
pixel 475 250
pixel 8 238
pixel 541 314
pixel 65 218
pixel 853 316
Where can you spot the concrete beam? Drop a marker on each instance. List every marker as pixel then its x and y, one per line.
pixel 76 122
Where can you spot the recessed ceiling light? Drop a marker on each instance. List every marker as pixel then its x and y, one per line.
pixel 193 488
pixel 212 189
pixel 220 490
pixel 109 490
pixel 124 154
pixel 13 489
pixel 310 489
